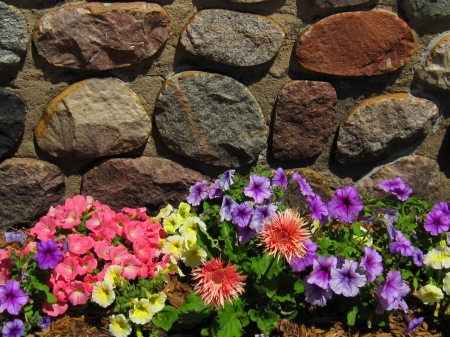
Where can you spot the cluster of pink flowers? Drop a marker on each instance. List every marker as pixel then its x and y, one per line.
pixel 93 237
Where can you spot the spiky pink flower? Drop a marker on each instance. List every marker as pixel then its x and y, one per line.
pixel 285 234
pixel 218 284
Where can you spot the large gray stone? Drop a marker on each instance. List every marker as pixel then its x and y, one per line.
pixel 142 182
pixel 382 125
pixel 210 118
pixel 434 66
pixel 419 172
pixel 13 36
pixel 101 36
pixel 12 119
pixel 233 38
pixel 93 118
pixel 28 187
pixel 428 9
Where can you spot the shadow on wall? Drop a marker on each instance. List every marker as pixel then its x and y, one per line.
pixel 266 8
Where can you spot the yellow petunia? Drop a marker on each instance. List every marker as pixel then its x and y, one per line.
pixel 141 312
pixel 174 245
pixel 194 256
pixel 438 258
pixel 183 211
pixel 157 301
pixel 171 224
pixel 430 294
pixel 446 282
pixel 118 326
pixel 113 274
pixel 103 293
pixel 189 240
pixel 164 213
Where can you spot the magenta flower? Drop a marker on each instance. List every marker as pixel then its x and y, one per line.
pixel 345 204
pixel 260 214
pixel 414 324
pixel 390 292
pixel 304 186
pixel 258 188
pixel 347 278
pixel 319 210
pixel 214 191
pixel 280 178
pixel 437 222
pixel 12 297
pixel 316 295
pixel 14 237
pixel 372 263
pixel 197 193
pixel 48 256
pixel 242 214
pixel 320 275
pixel 245 234
pixel 225 181
pixel 14 328
pixel 300 263
pixel 401 245
pixel 396 187
pixel 226 209
pixel 418 257
pixel 443 207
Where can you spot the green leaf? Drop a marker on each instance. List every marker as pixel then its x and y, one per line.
pixel 357 229
pixel 229 237
pixel 51 298
pixel 165 318
pixel 205 241
pixel 299 288
pixel 351 316
pixel 193 310
pixel 227 324
pixel 253 314
pixel 267 321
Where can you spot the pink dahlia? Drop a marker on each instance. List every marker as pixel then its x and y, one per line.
pixel 285 234
pixel 216 283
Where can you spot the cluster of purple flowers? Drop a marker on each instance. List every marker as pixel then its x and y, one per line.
pixel 396 187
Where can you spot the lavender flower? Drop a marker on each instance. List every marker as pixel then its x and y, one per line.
pixel 242 214
pixel 320 276
pixel 319 210
pixel 197 193
pixel 45 322
pixel 14 328
pixel 245 234
pixel 391 215
pixel 390 293
pixel 12 297
pixel 14 237
pixel 225 181
pixel 347 278
pixel 280 178
pixel 391 231
pixel 437 222
pixel 65 246
pixel 48 256
pixel 304 186
pixel 300 263
pixel 258 188
pixel 414 324
pixel 316 295
pixel 443 207
pixel 214 191
pixel 401 245
pixel 226 209
pixel 345 204
pixel 260 214
pixel 371 262
pixel 418 257
pixel 396 187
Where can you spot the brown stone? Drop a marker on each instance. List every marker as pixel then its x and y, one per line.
pixel 28 187
pixel 304 119
pixel 337 3
pixel 101 36
pixel 142 182
pixel 419 172
pixel 356 44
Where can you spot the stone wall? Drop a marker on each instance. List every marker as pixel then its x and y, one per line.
pixel 133 102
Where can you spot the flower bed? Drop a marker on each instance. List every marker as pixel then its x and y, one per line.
pixel 248 263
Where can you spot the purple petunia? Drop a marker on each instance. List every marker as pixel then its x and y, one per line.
pixel 242 213
pixel 437 222
pixel 391 231
pixel 300 263
pixel 245 234
pixel 390 292
pixel 225 181
pixel 14 237
pixel 391 215
pixel 316 295
pixel 280 178
pixel 372 263
pixel 319 210
pixel 345 204
pixel 45 322
pixel 401 245
pixel 14 328
pixel 197 193
pixel 443 207
pixel 12 297
pixel 226 209
pixel 396 187
pixel 320 276
pixel 48 256
pixel 260 214
pixel 418 257
pixel 304 186
pixel 414 324
pixel 258 188
pixel 214 191
pixel 347 278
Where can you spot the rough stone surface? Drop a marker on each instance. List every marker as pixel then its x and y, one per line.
pixel 101 36
pixel 28 187
pixel 304 118
pixel 337 3
pixel 233 38
pixel 419 172
pixel 356 44
pixel 428 9
pixel 434 67
pixel 247 1
pixel 210 118
pixel 13 36
pixel 93 118
pixel 12 119
pixel 142 182
pixel 382 125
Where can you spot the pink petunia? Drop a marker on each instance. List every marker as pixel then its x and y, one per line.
pixel 136 213
pixel 102 249
pixel 119 220
pixel 44 229
pixel 5 268
pixel 101 275
pixel 77 295
pixel 94 222
pixel 143 251
pixel 69 219
pixel 54 309
pixel 133 231
pixel 88 282
pixel 118 254
pixel 59 290
pixel 68 268
pixel 131 267
pixel 78 203
pixel 78 244
pixel 87 264
pixel 143 271
pixel 30 247
pixel 107 229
